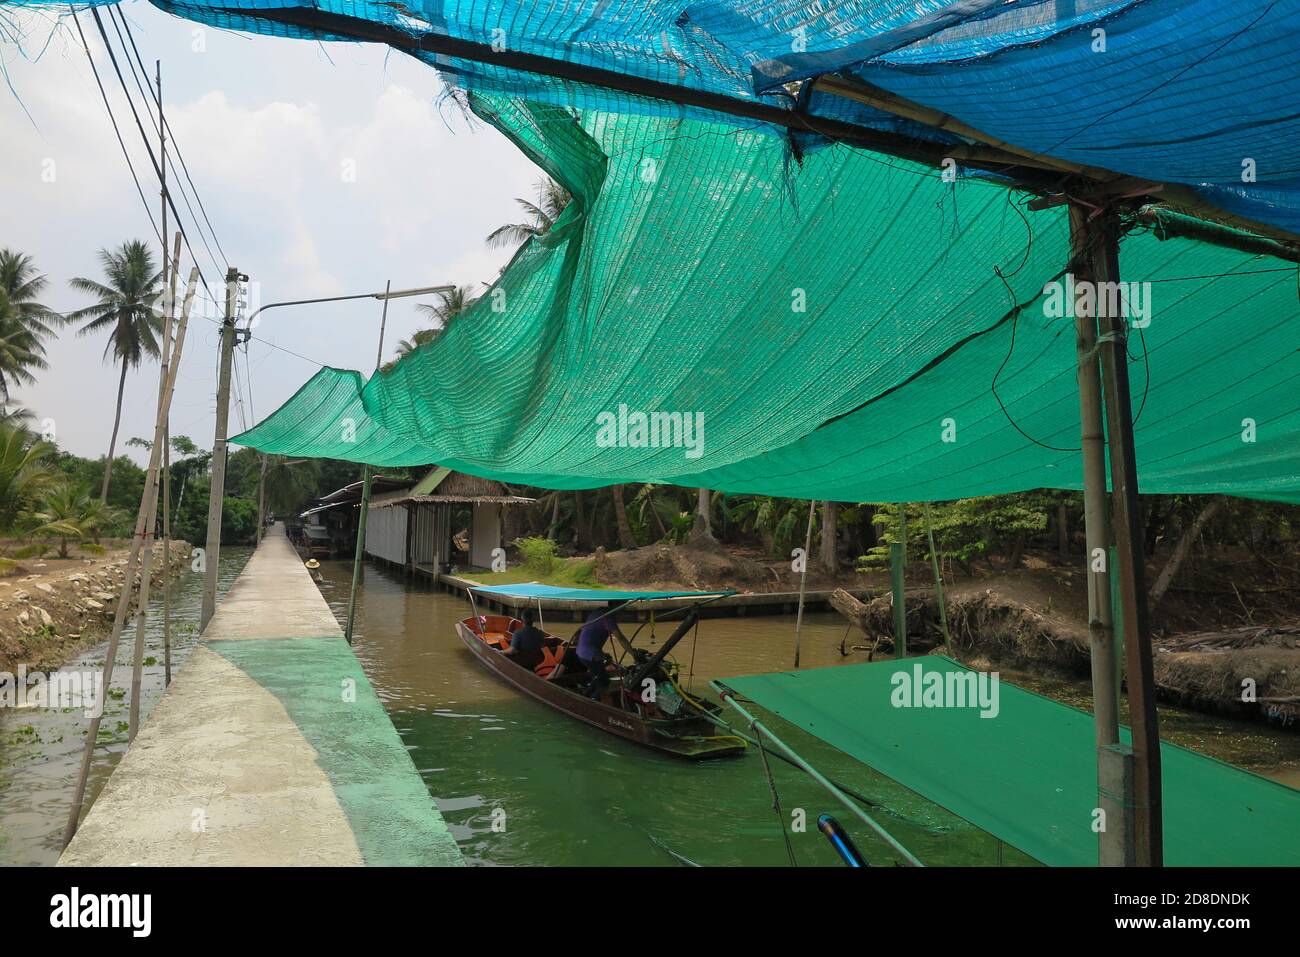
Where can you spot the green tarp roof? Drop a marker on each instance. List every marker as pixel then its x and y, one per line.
pixel 1028 775
pixel 842 326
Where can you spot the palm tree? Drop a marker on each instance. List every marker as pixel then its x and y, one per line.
pixel 625 538
pixel 68 511
pixel 20 351
pixel 24 475
pixel 20 284
pixel 126 308
pixel 551 200
pixel 25 323
pixel 289 482
pixel 450 304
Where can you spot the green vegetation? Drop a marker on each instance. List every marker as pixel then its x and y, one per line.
pixel 538 556
pixel 539 562
pixel 996 532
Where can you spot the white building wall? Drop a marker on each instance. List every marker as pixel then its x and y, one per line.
pixel 386 533
pixel 485 535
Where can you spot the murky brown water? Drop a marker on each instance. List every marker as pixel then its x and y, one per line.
pixel 571 794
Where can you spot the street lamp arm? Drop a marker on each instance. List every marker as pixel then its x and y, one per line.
pixel 396 294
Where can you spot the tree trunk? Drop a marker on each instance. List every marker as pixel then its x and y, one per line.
pixel 1183 549
pixel 1017 550
pixel 581 532
pixel 1063 532
pixel 555 516
pixel 702 529
pixel 625 539
pixel 112 442
pixel 830 537
pixel 650 505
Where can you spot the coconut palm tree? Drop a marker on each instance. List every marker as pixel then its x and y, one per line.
pixel 551 199
pixel 25 322
pixel 20 351
pixel 68 511
pixel 126 309
pixel 24 474
pixel 20 285
pixel 450 304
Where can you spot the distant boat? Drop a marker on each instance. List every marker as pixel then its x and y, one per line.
pixel 672 722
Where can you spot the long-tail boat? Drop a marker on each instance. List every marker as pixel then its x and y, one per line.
pixel 642 702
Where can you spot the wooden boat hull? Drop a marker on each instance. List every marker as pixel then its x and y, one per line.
pixel 691 737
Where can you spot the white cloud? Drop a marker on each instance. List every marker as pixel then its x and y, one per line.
pixel 265 125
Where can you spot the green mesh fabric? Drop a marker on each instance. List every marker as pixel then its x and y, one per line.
pixel 835 323
pixel 1028 775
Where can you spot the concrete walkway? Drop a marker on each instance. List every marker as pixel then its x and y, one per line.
pixel 269 748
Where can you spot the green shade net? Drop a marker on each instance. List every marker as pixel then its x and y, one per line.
pixel 1028 776
pixel 833 324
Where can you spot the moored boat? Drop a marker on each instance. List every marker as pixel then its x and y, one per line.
pixel 643 701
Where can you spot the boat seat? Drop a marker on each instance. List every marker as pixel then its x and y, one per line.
pixel 551 658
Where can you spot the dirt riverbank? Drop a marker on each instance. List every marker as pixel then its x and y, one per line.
pixel 1229 623
pixel 51 609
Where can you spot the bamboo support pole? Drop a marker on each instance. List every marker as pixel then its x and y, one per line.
pixel 897 583
pixel 1101 636
pixel 803 581
pixel 151 497
pixel 169 275
pixel 367 480
pixel 359 556
pixel 124 601
pixel 1130 560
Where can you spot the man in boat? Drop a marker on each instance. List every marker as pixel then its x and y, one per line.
pixel 526 642
pixel 591 646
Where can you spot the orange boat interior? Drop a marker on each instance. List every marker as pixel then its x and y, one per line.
pixel 495 630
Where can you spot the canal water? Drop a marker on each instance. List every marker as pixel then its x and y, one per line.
pixel 520 784
pixel 40 750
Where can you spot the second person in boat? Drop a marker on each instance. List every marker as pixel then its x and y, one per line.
pixel 591 647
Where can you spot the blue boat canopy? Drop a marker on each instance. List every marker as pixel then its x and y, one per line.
pixel 534 590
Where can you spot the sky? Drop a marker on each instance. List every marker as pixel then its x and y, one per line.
pixel 326 170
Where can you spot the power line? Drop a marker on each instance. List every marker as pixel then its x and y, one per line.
pixel 148 99
pixel 99 23
pixel 176 148
pixel 120 142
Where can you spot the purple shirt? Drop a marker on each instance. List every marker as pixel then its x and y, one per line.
pixel 594 634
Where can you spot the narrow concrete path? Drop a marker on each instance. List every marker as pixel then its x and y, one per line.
pixel 270 747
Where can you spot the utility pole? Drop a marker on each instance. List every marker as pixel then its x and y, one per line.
pixel 216 493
